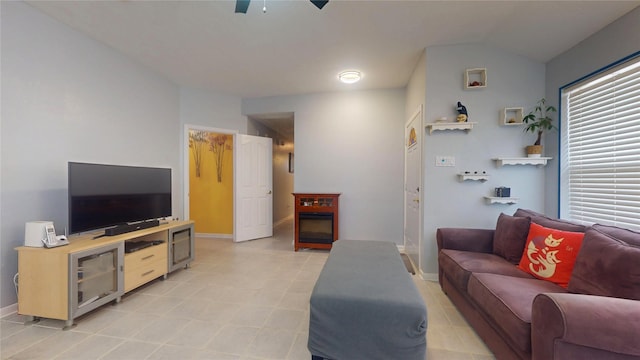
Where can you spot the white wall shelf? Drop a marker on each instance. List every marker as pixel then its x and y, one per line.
pixel 511 116
pixel 467 126
pixel 473 177
pixel 477 77
pixel 539 161
pixel 501 200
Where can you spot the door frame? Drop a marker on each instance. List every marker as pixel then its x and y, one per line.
pixel 186 170
pixel 419 113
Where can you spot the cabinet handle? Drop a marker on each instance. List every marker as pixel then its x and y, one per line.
pixel 147 273
pixel 148 257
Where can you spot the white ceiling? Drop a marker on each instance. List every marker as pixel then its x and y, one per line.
pixel 295 48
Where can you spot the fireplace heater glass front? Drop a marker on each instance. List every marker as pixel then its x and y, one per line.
pixel 315 228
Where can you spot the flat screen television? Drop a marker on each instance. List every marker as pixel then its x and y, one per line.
pixel 101 196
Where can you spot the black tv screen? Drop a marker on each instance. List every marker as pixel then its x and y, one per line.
pixel 101 195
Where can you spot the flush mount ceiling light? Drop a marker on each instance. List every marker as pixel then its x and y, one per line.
pixel 349 77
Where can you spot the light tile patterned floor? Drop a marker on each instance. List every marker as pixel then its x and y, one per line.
pixel 237 301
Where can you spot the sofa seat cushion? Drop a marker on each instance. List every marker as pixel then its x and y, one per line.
pixel 458 265
pixel 507 301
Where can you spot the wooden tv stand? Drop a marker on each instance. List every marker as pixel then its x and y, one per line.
pixel 68 281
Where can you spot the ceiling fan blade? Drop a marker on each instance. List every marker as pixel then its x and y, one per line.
pixel 242 6
pixel 319 3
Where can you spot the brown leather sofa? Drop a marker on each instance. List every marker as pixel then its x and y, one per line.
pixel 521 317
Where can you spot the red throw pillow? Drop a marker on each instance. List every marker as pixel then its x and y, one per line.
pixel 550 254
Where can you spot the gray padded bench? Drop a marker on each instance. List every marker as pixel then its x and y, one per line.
pixel 366 306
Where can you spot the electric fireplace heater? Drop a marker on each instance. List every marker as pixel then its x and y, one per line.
pixel 316 220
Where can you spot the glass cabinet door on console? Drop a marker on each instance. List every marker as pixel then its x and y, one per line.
pixel 181 247
pixel 96 278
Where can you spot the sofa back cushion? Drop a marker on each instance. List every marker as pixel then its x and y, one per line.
pixel 510 236
pixel 608 263
pixel 550 222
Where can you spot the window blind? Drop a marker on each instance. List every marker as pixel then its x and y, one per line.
pixel 603 148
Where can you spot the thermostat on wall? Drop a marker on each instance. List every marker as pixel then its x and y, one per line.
pixel 445 161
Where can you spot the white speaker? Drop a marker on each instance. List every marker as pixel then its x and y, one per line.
pixel 34 233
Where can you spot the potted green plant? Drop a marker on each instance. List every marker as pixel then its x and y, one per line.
pixel 538 121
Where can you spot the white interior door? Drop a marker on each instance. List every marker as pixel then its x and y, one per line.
pixel 253 191
pixel 412 188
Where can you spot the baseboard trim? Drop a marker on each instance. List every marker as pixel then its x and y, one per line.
pixel 8 310
pixel 214 236
pixel 423 275
pixel 428 276
pixel 282 221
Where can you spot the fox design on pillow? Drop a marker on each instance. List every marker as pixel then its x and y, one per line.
pixel 542 256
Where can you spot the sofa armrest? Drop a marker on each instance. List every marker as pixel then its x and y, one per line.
pixel 576 326
pixel 476 240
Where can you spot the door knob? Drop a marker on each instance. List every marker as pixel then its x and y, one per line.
pixel 269 193
pixel 416 200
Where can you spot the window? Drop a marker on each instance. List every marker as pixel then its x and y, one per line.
pixel 600 167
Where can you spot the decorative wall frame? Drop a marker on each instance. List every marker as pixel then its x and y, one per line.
pixel 475 78
pixel 511 116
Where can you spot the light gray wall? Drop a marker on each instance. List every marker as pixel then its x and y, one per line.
pixel 210 109
pixel 616 41
pixel 66 97
pixel 416 88
pixel 351 143
pixel 513 81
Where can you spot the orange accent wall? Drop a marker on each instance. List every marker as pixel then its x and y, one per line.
pixel 210 201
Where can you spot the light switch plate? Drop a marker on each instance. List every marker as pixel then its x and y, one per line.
pixel 445 161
